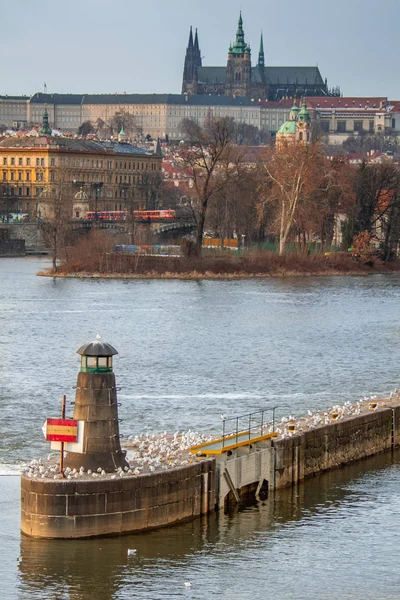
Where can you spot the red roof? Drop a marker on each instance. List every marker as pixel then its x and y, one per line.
pixel 351 103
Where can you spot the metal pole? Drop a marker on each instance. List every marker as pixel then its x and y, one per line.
pixel 62 443
pixel 262 423
pixel 273 419
pixel 249 425
pixel 96 191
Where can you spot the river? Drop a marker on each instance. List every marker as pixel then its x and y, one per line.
pixel 189 351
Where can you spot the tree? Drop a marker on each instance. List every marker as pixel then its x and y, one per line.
pixel 294 174
pixel 101 128
pixel 150 187
pixel 206 151
pixel 86 128
pixel 122 120
pixel 376 188
pixel 247 135
pixel 55 206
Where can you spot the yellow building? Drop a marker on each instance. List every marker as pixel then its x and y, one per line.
pixel 93 175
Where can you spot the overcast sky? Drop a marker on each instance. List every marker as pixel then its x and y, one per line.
pixel 138 46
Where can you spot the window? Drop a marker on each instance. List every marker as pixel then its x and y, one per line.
pixel 19 191
pixel 38 162
pixel 13 161
pixel 371 125
pixel 20 161
pixel 324 126
pixel 19 175
pixel 28 176
pixel 358 126
pixel 28 192
pixel 52 176
pixel 341 127
pixel 53 162
pixel 393 123
pixel 5 160
pixel 12 175
pixel 4 175
pixel 42 162
pixel 28 162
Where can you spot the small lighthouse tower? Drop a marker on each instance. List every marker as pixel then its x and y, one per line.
pixel 96 405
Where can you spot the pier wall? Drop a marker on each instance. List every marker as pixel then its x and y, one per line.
pixel 88 508
pixel 335 445
pixel 290 460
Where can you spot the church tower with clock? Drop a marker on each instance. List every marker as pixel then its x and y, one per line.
pixel 238 69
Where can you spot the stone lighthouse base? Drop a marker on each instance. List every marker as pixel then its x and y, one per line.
pixel 100 507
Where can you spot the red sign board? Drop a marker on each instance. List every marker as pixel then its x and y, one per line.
pixel 61 430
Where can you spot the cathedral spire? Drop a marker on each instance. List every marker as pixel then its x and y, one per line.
pixel 261 60
pixel 196 41
pixel 240 46
pixel 190 45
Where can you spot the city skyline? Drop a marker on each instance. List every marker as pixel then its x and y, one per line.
pixel 76 52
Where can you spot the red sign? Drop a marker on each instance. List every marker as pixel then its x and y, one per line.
pixel 61 430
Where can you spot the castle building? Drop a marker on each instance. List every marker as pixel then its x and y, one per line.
pixel 240 78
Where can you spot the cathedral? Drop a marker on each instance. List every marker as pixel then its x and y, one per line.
pixel 240 78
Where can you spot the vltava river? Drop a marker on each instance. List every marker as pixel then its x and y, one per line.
pixel 189 351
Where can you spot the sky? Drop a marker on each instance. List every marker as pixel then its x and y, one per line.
pixel 138 46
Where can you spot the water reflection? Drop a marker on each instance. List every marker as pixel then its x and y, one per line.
pixel 100 568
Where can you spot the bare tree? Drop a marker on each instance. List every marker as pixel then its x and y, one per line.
pixel 85 128
pixel 206 150
pixel 150 187
pixel 293 175
pixel 122 120
pixel 55 208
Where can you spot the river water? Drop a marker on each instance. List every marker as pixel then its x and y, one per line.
pixel 189 351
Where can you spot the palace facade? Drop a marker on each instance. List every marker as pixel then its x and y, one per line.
pixel 94 175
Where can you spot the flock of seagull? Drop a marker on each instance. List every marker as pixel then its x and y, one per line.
pixel 148 453
pixel 290 426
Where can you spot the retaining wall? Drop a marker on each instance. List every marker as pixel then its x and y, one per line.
pixel 335 445
pixel 78 509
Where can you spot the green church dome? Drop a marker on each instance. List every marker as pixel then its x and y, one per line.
pixel 288 128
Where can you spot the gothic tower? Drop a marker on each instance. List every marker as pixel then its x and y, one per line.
pixel 192 62
pixel 238 69
pixel 259 84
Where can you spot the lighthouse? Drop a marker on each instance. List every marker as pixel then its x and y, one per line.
pixel 96 405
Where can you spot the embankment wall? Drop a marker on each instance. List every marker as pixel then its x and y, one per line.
pixel 78 509
pixel 335 445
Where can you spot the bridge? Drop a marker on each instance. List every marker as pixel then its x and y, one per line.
pixel 157 226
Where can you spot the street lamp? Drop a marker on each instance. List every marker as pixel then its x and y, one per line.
pixel 96 186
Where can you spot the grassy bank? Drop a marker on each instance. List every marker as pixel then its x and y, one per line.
pixel 257 264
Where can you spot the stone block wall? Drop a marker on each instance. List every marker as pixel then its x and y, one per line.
pixel 334 445
pixel 30 232
pixel 78 509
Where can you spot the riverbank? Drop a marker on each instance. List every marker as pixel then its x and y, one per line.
pixel 252 265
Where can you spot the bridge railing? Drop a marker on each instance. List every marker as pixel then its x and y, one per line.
pixel 248 426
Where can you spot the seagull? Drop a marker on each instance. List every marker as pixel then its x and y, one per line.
pixel 188 584
pixel 132 551
pixel 223 417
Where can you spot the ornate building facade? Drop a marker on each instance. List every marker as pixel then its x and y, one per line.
pixel 107 175
pixel 297 128
pixel 240 78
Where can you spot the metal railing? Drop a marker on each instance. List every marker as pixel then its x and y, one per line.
pixel 250 425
